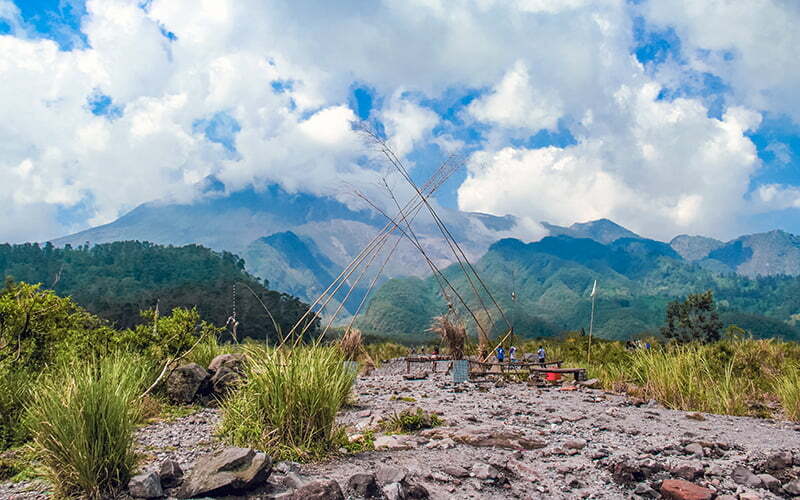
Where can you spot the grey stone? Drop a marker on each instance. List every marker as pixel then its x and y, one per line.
pixel 689 470
pixel 745 477
pixel 294 480
pixel 364 485
pixel 575 444
pixel 770 482
pixel 386 474
pixel 170 473
pixel 695 449
pixel 286 467
pixel 644 490
pixel 327 489
pixel 779 461
pixel 232 470
pixel 792 487
pixel 186 382
pixel 485 471
pixel 227 373
pixel 146 485
pixel 234 361
pixel 415 491
pixel 456 471
pixel 393 491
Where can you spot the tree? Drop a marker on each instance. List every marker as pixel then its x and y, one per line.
pixel 694 319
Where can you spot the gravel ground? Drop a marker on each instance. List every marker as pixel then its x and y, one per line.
pixel 582 444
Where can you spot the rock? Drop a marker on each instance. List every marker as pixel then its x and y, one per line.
pixel 745 477
pixel 416 376
pixel 726 497
pixel 678 489
pixel 792 488
pixel 170 473
pixel 394 491
pixel 695 449
pixel 779 461
pixel 186 382
pixel 225 380
pixel 395 442
pixel 286 467
pixel 233 361
pixel 750 496
pixel 770 482
pixel 575 444
pixel 293 480
pixel 146 485
pixel 592 383
pixel 325 489
pixel 696 416
pixel 415 491
pixel 627 470
pixel 644 490
pixel 485 471
pixel 688 470
pixel 455 471
pixel 386 474
pixel 231 470
pixel 490 437
pixel 364 485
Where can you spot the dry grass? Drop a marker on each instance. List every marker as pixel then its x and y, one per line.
pixel 453 336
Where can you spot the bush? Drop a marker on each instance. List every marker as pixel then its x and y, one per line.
pixel 82 418
pixel 14 388
pixel 288 403
pixel 410 420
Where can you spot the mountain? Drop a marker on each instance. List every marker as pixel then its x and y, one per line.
pixel 552 280
pixel 601 230
pixel 298 242
pixel 694 248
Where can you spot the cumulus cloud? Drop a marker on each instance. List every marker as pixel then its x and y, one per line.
pixel 662 167
pixel 253 92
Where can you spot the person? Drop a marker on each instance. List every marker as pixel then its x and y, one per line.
pixel 501 354
pixel 436 350
pixel 413 351
pixel 541 354
pixel 512 355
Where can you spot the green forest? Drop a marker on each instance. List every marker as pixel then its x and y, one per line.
pixel 118 281
pixel 552 281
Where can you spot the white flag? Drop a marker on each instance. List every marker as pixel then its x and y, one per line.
pixel 594 288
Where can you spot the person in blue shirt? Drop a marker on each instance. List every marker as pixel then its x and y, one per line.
pixel 541 354
pixel 501 354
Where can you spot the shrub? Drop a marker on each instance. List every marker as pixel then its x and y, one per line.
pixel 82 418
pixel 14 387
pixel 288 403
pixel 410 420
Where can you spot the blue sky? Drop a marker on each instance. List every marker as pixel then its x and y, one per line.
pixel 548 127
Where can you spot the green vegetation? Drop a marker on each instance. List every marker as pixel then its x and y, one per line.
pixel 117 280
pixel 735 376
pixel 410 420
pixel 695 318
pixel 288 403
pixel 553 278
pixel 82 417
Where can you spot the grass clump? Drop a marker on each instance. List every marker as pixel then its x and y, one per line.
pixel 364 442
pixel 15 385
pixel 204 352
pixel 82 418
pixel 410 420
pixel 787 389
pixel 288 403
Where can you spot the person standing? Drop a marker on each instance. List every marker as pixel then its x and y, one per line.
pixel 541 354
pixel 512 355
pixel 501 354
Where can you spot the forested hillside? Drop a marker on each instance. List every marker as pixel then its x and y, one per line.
pixel 552 279
pixel 118 280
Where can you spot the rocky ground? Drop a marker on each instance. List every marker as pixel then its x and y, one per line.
pixel 513 440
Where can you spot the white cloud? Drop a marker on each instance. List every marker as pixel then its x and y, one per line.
pixel 657 166
pixel 661 167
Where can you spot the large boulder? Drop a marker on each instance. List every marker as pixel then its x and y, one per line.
pixel 184 384
pixel 227 372
pixel 230 471
pixel 233 361
pixel 171 474
pixel 145 485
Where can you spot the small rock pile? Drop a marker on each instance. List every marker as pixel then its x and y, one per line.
pixel 191 383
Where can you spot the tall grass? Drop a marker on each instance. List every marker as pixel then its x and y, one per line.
pixel 787 389
pixel 208 349
pixel 288 403
pixel 82 418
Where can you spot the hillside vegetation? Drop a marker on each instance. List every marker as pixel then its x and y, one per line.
pixel 553 279
pixel 116 281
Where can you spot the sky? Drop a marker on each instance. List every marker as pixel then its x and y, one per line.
pixel 668 117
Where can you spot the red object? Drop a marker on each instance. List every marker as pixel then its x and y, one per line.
pixel 553 377
pixel 677 489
